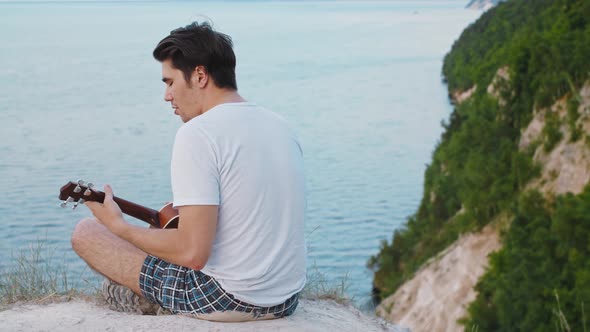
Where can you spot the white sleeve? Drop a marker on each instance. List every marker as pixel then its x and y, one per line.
pixel 194 171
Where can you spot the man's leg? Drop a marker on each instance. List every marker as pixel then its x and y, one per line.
pixel 120 261
pixel 108 254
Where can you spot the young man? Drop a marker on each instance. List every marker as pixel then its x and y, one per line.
pixel 238 183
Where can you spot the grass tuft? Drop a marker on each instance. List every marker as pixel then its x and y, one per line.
pixel 319 287
pixel 34 275
pixel 563 324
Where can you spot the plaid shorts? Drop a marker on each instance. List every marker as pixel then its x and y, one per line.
pixel 183 291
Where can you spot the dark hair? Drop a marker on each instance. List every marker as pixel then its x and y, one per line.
pixel 199 45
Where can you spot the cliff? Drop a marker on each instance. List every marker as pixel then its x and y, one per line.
pixel 499 240
pixel 439 293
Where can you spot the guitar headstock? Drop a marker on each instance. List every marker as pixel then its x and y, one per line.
pixel 79 192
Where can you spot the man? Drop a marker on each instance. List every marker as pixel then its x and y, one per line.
pixel 238 183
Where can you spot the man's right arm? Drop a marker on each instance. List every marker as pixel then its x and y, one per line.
pixel 189 245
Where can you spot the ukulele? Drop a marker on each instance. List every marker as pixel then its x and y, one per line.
pixel 80 192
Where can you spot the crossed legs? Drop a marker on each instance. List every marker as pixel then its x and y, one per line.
pixel 108 254
pixel 121 262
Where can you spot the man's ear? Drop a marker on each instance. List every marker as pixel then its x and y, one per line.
pixel 200 77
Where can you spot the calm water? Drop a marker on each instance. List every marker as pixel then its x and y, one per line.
pixel 81 97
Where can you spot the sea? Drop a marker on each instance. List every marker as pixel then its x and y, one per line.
pixel 360 81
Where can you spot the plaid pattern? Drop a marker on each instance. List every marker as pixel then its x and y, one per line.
pixel 183 290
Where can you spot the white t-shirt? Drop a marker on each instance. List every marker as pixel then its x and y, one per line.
pixel 248 161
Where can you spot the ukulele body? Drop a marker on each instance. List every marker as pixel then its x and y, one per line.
pixel 168 216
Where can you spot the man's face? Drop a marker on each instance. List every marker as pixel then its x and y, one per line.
pixel 183 96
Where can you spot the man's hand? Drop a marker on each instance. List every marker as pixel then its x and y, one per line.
pixel 107 213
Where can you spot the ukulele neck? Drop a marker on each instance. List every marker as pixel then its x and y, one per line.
pixel 135 210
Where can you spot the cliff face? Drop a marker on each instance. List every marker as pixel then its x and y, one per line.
pixel 566 167
pixel 438 295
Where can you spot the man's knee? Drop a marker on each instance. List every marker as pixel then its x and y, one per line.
pixel 81 233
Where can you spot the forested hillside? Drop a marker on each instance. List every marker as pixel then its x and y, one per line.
pixel 532 53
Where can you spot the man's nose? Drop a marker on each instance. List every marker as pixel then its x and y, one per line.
pixel 167 95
